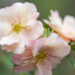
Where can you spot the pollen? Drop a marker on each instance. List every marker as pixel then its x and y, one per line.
pixel 41 56
pixel 17 28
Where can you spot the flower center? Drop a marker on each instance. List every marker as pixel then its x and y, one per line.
pixel 17 28
pixel 41 56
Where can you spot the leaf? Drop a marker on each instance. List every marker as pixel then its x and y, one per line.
pixel 70 61
pixel 72 44
pixel 47 31
pixel 7 60
pixel 31 73
pixel 23 73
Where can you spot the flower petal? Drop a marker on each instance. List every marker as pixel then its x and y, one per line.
pixel 21 58
pixel 24 68
pixel 36 31
pixel 43 70
pixel 69 23
pixel 55 21
pixel 38 45
pixel 5 28
pixel 9 40
pixel 55 18
pixel 30 13
pixel 59 49
pixel 69 27
pixel 9 48
pixel 23 41
pixel 70 36
pixel 31 10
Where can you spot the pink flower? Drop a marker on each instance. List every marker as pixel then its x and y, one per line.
pixel 43 56
pixel 19 25
pixel 66 27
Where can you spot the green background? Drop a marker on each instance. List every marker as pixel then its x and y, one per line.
pixel 64 7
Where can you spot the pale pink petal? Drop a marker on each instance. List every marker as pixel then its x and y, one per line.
pixel 69 22
pixel 14 38
pixel 35 32
pixel 13 13
pixel 55 18
pixel 9 48
pixel 52 60
pixel 31 10
pixel 59 49
pixel 38 45
pixel 19 13
pixel 31 23
pixel 70 36
pixel 43 70
pixel 23 41
pixel 52 39
pixel 24 68
pixel 9 40
pixel 56 28
pixel 20 47
pixel 5 28
pixel 46 21
pixel 5 14
pixel 25 56
pixel 30 13
pixel 37 15
pixel 69 27
pixel 55 21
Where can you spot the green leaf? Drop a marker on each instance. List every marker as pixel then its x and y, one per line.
pixel 72 44
pixel 70 61
pixel 47 31
pixel 23 73
pixel 31 73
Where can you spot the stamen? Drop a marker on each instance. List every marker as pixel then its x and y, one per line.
pixel 40 57
pixel 17 28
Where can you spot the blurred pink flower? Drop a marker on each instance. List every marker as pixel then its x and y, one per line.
pixel 66 27
pixel 42 55
pixel 19 25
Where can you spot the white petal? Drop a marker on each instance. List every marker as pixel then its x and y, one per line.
pixel 24 68
pixel 31 9
pixel 46 21
pixel 60 48
pixel 9 48
pixel 52 39
pixel 70 36
pixel 18 12
pixel 43 70
pixel 31 23
pixel 23 41
pixel 55 21
pixel 9 40
pixel 38 45
pixel 20 48
pixel 55 18
pixel 30 13
pixel 69 24
pixel 5 28
pixel 35 32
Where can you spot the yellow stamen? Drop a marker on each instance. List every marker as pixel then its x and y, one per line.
pixel 40 57
pixel 17 28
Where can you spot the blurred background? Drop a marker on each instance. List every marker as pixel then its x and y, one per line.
pixel 64 7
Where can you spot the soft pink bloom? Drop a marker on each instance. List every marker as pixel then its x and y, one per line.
pixel 65 27
pixel 43 56
pixel 19 25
